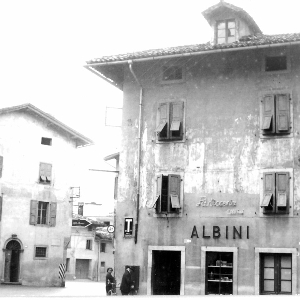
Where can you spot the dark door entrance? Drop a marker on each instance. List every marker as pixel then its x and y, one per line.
pixel 82 268
pixel 166 272
pixel 12 261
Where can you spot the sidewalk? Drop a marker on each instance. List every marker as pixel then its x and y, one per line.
pixel 76 288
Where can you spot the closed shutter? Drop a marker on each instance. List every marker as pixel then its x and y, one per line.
pixel 48 172
pixel 174 191
pixel 282 113
pixel 52 221
pixel 176 120
pixel 1 165
pixel 163 124
pixel 33 212
pixel 157 199
pixel 268 202
pixel 282 187
pixel 268 121
pixel 42 172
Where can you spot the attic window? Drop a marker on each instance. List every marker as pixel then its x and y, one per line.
pixel 172 73
pixel 226 31
pixel 276 63
pixel 46 141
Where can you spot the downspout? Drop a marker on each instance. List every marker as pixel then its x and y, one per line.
pixel 139 153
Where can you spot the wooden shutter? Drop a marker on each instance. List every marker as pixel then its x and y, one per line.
pixel 1 165
pixel 176 120
pixel 268 202
pixel 157 199
pixel 282 190
pixel 268 114
pixel 283 113
pixel 52 219
pixel 1 203
pixel 48 172
pixel 33 212
pixel 163 122
pixel 42 173
pixel 174 191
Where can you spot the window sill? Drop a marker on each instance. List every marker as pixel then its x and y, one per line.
pixel 276 136
pixel 167 215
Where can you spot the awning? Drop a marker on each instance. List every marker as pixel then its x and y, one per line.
pixel 175 201
pixel 153 202
pixel 160 127
pixel 281 201
pixel 266 201
pixel 175 125
pixel 267 122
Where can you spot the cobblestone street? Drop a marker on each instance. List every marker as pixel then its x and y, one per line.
pixel 73 290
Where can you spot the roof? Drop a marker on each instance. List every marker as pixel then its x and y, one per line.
pixel 245 42
pixel 81 140
pixel 208 14
pixel 110 68
pixel 112 156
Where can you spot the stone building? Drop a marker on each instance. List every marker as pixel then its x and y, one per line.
pixel 209 181
pixel 37 155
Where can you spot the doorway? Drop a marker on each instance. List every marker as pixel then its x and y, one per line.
pixel 12 261
pixel 82 268
pixel 166 272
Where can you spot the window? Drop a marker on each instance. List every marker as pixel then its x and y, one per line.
pixel 276 63
pixel 172 73
pixel 1 165
pixel 226 31
pixel 167 198
pixel 67 264
pixel 40 252
pixel 89 244
pixel 80 209
pixel 102 267
pixel 102 247
pixel 219 273
pixel 45 173
pixel 170 121
pixel 276 193
pixel 276 273
pixel 276 114
pixel 46 141
pixel 42 213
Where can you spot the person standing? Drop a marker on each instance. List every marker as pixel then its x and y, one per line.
pixel 127 284
pixel 109 280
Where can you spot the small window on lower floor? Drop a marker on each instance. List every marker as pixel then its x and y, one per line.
pixel 102 267
pixel 89 244
pixel 40 252
pixel 276 273
pixel 102 247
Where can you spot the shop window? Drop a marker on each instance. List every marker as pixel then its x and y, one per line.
pixel 170 121
pixel 276 193
pixel 1 165
pixel 46 141
pixel 219 273
pixel 276 273
pixel 42 213
pixel 45 173
pixel 102 247
pixel 276 117
pixel 226 31
pixel 167 198
pixel 275 63
pixel 40 252
pixel 89 244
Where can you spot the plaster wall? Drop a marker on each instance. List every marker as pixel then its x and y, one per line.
pixel 22 151
pixel 221 159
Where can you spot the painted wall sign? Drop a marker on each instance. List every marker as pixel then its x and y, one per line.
pixel 128 226
pixel 235 211
pixel 81 222
pixel 205 202
pixel 216 232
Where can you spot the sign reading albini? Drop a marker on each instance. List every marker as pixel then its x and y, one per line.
pixel 216 232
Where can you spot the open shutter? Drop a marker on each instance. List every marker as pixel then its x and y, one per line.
pixel 268 202
pixel 163 124
pixel 1 203
pixel 268 121
pixel 157 199
pixel 176 120
pixel 52 221
pixel 33 212
pixel 282 113
pixel 174 191
pixel 282 187
pixel 1 165
pixel 48 172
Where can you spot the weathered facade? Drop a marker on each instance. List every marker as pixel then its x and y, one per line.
pixel 209 167
pixel 37 154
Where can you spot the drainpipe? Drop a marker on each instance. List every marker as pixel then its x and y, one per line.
pixel 139 153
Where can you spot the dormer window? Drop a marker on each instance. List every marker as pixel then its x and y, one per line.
pixel 226 31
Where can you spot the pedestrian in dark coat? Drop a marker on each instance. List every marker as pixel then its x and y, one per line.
pixel 109 280
pixel 127 283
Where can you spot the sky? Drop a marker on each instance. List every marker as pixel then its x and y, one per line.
pixel 46 43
